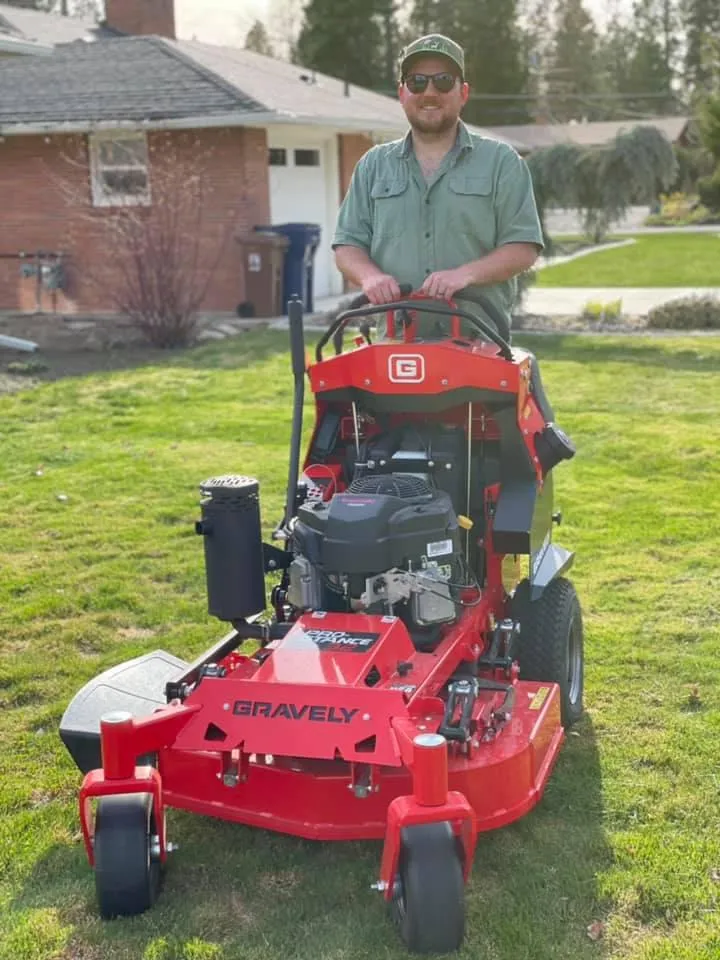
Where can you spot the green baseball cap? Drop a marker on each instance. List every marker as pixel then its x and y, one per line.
pixel 434 44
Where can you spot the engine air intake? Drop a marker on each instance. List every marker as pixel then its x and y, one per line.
pixel 392 485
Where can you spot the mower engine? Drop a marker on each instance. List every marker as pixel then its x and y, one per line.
pixel 388 545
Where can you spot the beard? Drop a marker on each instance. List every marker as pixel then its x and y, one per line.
pixel 440 122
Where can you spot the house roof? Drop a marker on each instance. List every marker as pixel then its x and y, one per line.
pixel 295 93
pixel 163 82
pixel 48 29
pixel 114 82
pixel 593 134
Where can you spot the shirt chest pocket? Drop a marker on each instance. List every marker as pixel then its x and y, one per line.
pixel 390 206
pixel 473 211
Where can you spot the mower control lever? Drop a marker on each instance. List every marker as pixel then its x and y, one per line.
pixel 505 635
pixel 462 695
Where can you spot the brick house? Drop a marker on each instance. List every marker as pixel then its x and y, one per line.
pixel 281 142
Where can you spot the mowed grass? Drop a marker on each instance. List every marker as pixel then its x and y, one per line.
pixel 671 260
pixel 100 563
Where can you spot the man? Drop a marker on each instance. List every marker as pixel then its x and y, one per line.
pixel 443 209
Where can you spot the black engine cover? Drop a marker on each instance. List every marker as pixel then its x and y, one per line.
pixel 367 533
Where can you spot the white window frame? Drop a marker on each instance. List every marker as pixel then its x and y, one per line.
pixel 100 194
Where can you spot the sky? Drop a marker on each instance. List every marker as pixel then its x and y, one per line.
pixel 228 21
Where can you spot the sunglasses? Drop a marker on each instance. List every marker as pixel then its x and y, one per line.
pixel 418 82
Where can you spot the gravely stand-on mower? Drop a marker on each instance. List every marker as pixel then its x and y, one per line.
pixel 411 686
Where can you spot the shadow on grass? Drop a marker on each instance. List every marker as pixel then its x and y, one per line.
pixel 256 894
pixel 238 352
pixel 702 357
pixel 254 346
pixel 534 892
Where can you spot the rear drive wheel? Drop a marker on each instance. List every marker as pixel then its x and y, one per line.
pixel 550 646
pixel 127 867
pixel 429 898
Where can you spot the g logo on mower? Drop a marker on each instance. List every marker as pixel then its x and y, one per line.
pixel 406 368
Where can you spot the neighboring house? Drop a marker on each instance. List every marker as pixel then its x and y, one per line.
pixel 14 42
pixel 27 31
pixel 592 134
pixel 284 141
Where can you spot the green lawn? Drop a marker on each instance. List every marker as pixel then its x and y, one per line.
pixel 100 563
pixel 672 260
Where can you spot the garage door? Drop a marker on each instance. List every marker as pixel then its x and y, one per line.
pixel 303 189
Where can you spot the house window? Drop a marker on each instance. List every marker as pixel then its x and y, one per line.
pixel 277 157
pixel 119 169
pixel 307 158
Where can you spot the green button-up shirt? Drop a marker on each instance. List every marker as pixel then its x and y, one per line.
pixel 480 198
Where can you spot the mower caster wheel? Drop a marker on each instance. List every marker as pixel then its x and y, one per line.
pixel 127 867
pixel 550 645
pixel 428 902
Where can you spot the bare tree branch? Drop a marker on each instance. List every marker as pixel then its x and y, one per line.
pixel 162 257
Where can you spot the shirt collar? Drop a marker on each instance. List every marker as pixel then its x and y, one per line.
pixel 462 142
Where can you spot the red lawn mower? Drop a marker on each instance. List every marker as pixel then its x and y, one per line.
pixel 411 685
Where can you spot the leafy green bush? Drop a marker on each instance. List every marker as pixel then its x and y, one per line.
pixel 26 368
pixel 686 313
pixel 693 162
pixel 698 217
pixel 709 190
pixel 677 204
pixel 602 312
pixel 680 210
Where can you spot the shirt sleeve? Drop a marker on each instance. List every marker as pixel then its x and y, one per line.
pixel 354 222
pixel 517 215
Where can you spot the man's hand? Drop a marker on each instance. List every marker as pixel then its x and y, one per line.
pixel 444 284
pixel 381 288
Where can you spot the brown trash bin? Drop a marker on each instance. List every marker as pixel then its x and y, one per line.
pixel 263 259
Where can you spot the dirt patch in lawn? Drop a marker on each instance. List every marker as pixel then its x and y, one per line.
pixel 74 347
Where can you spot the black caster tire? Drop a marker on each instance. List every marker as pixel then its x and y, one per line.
pixel 428 902
pixel 551 644
pixel 127 869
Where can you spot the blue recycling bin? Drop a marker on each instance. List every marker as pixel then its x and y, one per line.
pixel 299 260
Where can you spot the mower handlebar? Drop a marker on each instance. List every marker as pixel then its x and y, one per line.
pixel 361 307
pixel 362 301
